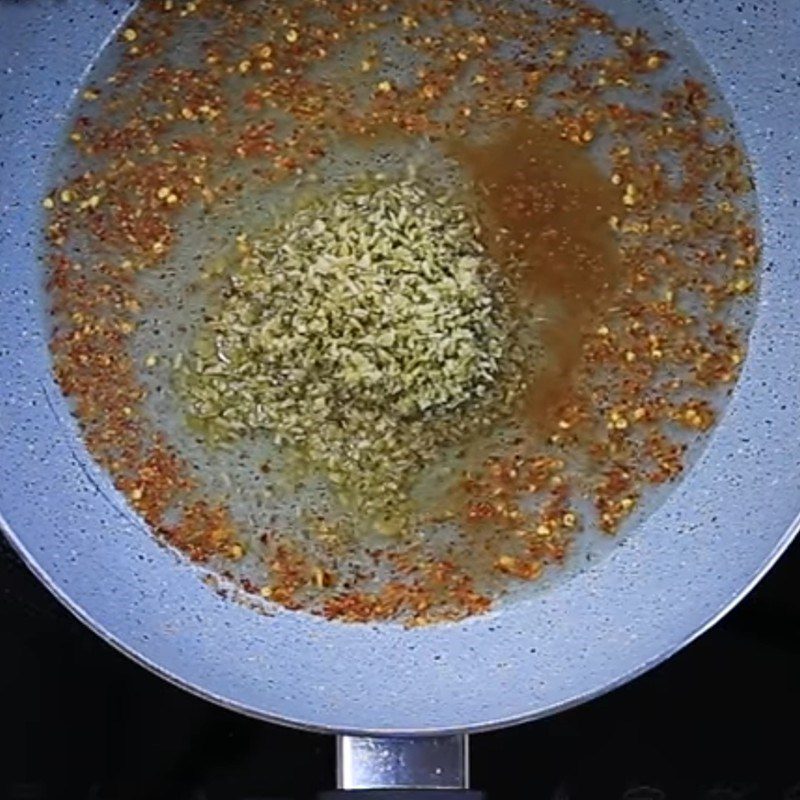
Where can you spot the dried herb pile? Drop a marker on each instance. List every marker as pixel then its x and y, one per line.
pixel 359 330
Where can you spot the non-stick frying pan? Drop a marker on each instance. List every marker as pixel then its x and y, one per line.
pixel 665 583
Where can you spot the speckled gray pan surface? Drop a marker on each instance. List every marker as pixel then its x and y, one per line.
pixel 690 561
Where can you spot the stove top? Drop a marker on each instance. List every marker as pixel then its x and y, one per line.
pixel 716 721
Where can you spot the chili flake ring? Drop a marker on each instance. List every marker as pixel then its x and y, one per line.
pixel 155 139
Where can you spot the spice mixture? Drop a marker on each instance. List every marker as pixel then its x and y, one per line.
pixel 422 382
pixel 357 330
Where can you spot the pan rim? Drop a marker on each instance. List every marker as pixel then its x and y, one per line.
pixel 571 702
pixel 727 600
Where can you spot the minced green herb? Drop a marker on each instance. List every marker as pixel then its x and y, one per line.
pixel 361 330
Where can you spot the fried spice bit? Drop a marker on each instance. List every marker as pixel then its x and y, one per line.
pixel 434 591
pixel 289 571
pixel 152 140
pixel 204 530
pixel 520 568
pixel 155 483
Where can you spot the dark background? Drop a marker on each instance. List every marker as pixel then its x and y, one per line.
pixel 719 720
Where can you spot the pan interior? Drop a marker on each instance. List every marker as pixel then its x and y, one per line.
pixel 159 235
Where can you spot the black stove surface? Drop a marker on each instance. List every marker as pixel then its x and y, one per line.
pixel 719 720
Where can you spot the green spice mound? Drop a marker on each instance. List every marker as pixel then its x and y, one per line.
pixel 362 330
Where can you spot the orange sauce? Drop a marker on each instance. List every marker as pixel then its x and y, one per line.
pixel 545 207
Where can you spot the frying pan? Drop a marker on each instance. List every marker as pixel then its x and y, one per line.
pixel 680 571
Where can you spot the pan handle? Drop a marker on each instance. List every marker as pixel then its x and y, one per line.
pixel 401 794
pixel 412 768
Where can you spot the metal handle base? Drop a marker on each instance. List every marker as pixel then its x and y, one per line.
pixel 402 794
pixel 403 763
